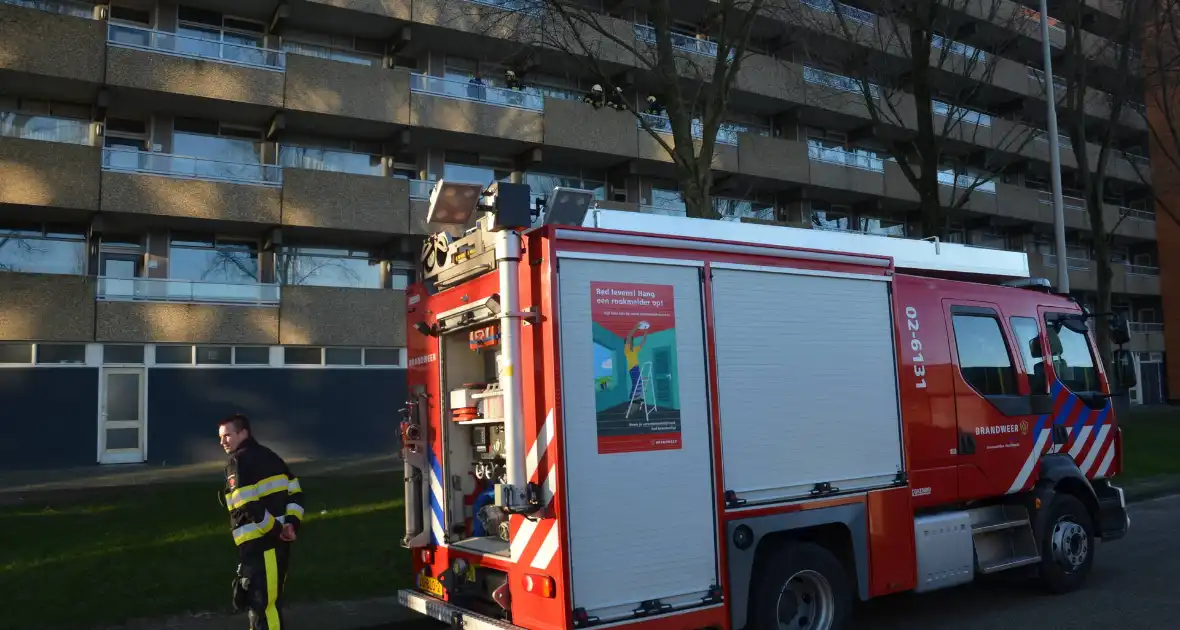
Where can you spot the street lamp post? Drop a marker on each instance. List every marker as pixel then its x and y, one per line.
pixel 1054 155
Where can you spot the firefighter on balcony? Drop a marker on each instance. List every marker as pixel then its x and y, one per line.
pixel 654 106
pixel 515 87
pixel 617 101
pixel 265 506
pixel 595 97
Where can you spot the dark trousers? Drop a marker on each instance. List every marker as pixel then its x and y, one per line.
pixel 266 572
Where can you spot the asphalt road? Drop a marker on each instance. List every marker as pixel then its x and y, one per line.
pixel 1133 586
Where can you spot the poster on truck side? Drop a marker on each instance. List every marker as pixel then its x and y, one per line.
pixel 636 387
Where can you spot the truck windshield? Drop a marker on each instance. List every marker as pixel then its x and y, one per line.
pixel 1072 361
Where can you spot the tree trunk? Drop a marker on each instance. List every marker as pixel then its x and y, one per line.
pixel 694 188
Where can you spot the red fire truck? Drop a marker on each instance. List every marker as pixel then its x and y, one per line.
pixel 628 419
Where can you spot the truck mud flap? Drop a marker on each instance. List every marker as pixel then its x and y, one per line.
pixel 442 611
pixel 1113 519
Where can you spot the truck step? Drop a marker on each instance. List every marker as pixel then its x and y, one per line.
pixel 983 528
pixel 1008 563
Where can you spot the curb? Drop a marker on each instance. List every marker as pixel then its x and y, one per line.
pixel 1152 488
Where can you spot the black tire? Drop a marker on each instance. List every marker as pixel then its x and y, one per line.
pixel 788 561
pixel 1063 575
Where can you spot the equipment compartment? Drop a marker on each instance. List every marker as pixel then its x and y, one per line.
pixel 473 427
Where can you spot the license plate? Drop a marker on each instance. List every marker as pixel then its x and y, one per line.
pixel 430 585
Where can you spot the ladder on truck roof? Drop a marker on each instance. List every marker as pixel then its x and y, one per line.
pixel 919 255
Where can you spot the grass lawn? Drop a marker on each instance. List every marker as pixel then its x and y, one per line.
pixel 1151 442
pixel 122 553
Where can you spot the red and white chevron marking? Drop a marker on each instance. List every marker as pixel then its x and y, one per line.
pixel 535 540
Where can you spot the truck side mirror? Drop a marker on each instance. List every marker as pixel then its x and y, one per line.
pixel 1124 367
pixel 1076 323
pixel 1120 329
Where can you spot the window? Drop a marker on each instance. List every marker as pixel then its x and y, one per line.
pixel 61 353
pixel 324 267
pixel 303 356
pixel 737 209
pixel 382 356
pixel 983 354
pixel 251 355
pixel 1072 362
pixel 342 356
pixel 16 353
pixel 223 151
pixel 42 249
pixel 214 355
pixel 825 216
pixel 210 34
pixel 122 354
pixel 42 120
pixel 207 259
pixel 174 355
pixel 884 227
pixel 1028 336
pixel 476 169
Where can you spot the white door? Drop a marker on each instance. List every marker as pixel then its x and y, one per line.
pixel 121 434
pixel 635 417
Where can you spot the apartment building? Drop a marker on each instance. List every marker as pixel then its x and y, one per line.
pixel 214 206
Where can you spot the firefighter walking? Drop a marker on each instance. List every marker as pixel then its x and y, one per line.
pixel 265 508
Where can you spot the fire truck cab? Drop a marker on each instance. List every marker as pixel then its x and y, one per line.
pixel 628 419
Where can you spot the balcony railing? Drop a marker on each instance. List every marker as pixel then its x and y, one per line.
pixel 1136 214
pixel 673 211
pixel 186 167
pixel 1076 264
pixel 335 54
pixel 1063 140
pixel 837 81
pixel 44 128
pixel 126 36
pixel 835 155
pixel 1146 327
pixel 850 12
pixel 967 116
pixel 970 53
pixel 727 133
pixel 686 43
pixel 964 181
pixel 335 161
pixel 1059 84
pixel 186 291
pixel 421 188
pixel 1143 270
pixel 1067 202
pixel 467 91
pixel 64 7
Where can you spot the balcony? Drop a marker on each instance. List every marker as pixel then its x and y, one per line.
pixel 773 158
pixel 701 46
pixel 981 193
pixel 835 167
pixel 328 316
pixel 47 162
pixel 850 13
pixel 463 107
pixel 169 185
pixel 576 125
pixel 1137 279
pixel 48 307
pixel 725 152
pixel 339 200
pixel 347 89
pixel 186 291
pixel 168 62
pixel 52 39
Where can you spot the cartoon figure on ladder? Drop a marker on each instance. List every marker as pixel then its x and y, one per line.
pixel 640 374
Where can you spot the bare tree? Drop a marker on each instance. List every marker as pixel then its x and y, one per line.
pixel 692 76
pixel 1114 63
pixel 904 67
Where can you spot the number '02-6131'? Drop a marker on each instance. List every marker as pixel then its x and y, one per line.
pixel 911 319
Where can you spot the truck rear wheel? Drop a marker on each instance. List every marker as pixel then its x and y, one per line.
pixel 803 587
pixel 1067 545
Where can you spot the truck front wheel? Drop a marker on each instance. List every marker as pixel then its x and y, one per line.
pixel 1067 545
pixel 803 587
